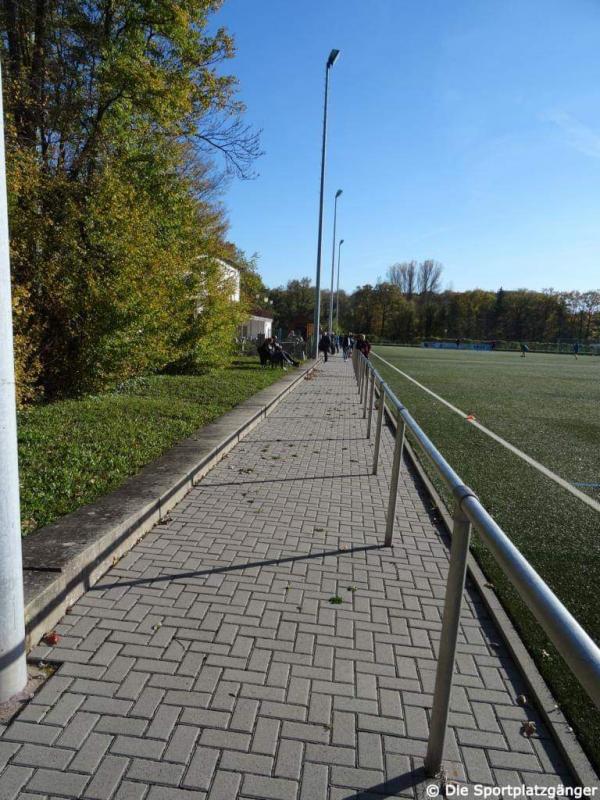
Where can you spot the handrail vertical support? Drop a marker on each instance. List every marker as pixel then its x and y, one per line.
pixel 578 649
pixel 366 392
pixel 391 509
pixel 455 585
pixel 378 427
pixel 363 373
pixel 371 395
pixel 360 376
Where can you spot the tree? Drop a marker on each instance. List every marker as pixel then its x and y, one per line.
pixel 590 302
pixel 342 300
pixel 84 76
pixel 385 311
pixel 112 109
pixel 404 276
pixel 429 277
pixel 293 305
pixel 402 326
pixel 364 309
pixel 577 309
pixel 498 314
pixel 387 296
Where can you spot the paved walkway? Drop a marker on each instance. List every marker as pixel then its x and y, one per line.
pixel 209 662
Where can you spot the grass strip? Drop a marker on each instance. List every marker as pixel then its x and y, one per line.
pixel 73 451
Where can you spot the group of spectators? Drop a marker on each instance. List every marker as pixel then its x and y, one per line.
pixel 271 353
pixel 331 343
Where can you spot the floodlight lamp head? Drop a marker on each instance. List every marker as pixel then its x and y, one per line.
pixel 333 56
pixel 338 193
pixel 341 242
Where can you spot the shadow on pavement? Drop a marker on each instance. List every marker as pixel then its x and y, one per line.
pixel 392 787
pixel 234 567
pixel 206 482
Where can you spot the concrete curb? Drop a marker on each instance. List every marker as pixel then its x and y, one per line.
pixel 62 560
pixel 546 704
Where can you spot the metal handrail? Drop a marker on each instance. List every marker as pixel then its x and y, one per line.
pixel 576 647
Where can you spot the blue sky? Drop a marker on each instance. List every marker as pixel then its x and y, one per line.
pixel 465 130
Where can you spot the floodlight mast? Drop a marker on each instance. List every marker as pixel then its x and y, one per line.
pixel 337 194
pixel 337 291
pixel 333 56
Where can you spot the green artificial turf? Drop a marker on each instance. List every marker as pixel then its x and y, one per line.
pixel 549 407
pixel 73 451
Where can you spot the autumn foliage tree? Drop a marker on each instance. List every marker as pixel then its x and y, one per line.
pixel 114 109
pixel 386 311
pixel 411 306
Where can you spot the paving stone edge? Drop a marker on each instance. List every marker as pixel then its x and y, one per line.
pixel 546 703
pixel 62 560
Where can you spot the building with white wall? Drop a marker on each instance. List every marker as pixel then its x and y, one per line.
pixel 257 327
pixel 231 275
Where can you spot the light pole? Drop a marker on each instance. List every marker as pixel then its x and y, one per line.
pixel 317 318
pixel 13 669
pixel 337 291
pixel 337 194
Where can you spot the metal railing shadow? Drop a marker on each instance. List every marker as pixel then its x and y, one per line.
pixel 287 480
pixel 269 562
pixel 393 787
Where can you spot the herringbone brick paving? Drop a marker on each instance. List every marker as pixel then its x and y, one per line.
pixel 209 662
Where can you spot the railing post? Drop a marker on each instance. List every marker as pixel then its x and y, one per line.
pixel 378 426
pixel 359 366
pixel 391 510
pixel 366 392
pixel 455 585
pixel 371 395
pixel 362 379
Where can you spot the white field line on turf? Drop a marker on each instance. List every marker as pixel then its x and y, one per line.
pixel 531 461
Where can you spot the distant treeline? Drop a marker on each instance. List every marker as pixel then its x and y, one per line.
pixel 410 306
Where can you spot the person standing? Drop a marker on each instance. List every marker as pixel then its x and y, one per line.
pixel 346 345
pixel 363 345
pixel 325 345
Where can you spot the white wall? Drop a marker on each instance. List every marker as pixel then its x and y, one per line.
pixel 232 275
pixel 257 326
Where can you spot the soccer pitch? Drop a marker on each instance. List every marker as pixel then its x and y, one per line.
pixel 547 406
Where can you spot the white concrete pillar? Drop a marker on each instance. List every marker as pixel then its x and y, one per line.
pixel 13 667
